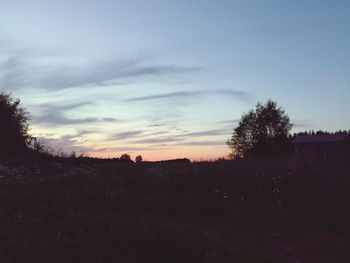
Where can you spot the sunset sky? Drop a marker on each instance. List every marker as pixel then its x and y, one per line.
pixel 170 79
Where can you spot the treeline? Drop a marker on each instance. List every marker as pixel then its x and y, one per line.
pixel 282 146
pixel 319 132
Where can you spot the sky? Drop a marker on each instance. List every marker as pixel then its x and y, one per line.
pixel 170 79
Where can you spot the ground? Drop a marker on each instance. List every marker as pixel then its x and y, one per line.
pixel 72 211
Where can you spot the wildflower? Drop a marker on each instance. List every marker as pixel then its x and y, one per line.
pixel 276 190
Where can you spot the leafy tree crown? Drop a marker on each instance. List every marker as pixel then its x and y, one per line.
pixel 264 125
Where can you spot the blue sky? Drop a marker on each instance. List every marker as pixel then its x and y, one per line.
pixel 169 79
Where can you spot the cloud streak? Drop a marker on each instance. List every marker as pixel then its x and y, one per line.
pixel 57 115
pixel 125 135
pixel 182 137
pixel 241 95
pixel 60 119
pixel 102 73
pixel 20 71
pixel 302 124
pixel 203 143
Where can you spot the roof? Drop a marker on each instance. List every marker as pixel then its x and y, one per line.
pixel 321 138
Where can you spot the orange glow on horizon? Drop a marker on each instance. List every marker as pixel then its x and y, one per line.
pixel 194 154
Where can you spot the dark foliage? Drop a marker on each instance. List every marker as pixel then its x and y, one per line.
pixel 138 159
pixel 320 132
pixel 261 131
pixel 14 137
pixel 125 157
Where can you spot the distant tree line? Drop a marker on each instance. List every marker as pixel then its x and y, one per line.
pixel 319 132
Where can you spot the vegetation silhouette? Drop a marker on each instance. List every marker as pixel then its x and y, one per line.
pixel 262 131
pixel 320 132
pixel 125 158
pixel 138 159
pixel 14 137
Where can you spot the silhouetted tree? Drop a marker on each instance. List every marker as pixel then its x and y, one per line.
pixel 138 159
pixel 260 130
pixel 125 157
pixel 14 135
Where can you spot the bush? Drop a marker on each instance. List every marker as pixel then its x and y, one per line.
pixel 125 157
pixel 138 159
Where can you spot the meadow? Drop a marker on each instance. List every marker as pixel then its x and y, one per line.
pixel 71 210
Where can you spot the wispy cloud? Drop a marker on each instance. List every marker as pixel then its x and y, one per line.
pixel 204 133
pixel 57 115
pixel 19 70
pixel 78 135
pixel 67 145
pixel 233 121
pixel 12 73
pixel 60 119
pixel 125 135
pixel 203 143
pixel 241 95
pixel 181 137
pixel 156 140
pixel 182 94
pixel 302 124
pixel 63 106
pixel 100 73
pixel 128 149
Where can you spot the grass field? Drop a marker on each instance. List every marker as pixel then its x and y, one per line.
pixel 179 212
